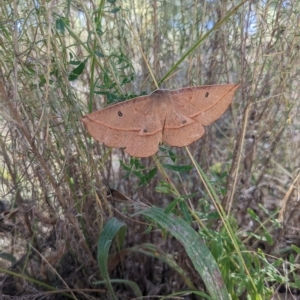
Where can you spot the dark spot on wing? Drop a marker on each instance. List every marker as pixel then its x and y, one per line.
pixel 120 114
pixel 145 130
pixel 183 121
pixel 207 94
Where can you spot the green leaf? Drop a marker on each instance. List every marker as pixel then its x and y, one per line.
pixel 8 256
pixel 171 154
pixel 295 248
pixel 139 170
pixel 125 167
pixel 208 216
pixel 138 174
pixel 42 80
pixel 252 213
pixel 60 24
pixel 171 206
pixel 136 162
pixel 115 10
pixel 199 254
pixel 109 232
pixel 185 210
pixel 183 168
pixel 217 247
pixel 146 178
pixel 258 237
pixel 297 281
pixel 163 187
pixel 268 236
pixel 75 73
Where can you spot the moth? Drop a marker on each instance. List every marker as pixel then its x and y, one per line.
pixel 175 117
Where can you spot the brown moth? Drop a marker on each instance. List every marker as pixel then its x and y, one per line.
pixel 175 117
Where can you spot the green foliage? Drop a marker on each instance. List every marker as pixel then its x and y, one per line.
pixel 136 168
pixel 111 229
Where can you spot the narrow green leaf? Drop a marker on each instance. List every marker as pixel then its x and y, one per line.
pixel 268 237
pixel 295 248
pixel 42 80
pixel 109 232
pixel 164 187
pixel 297 281
pixel 115 10
pixel 217 247
pixel 185 210
pixel 208 216
pixel 8 256
pixel 75 73
pixel 60 25
pixel 252 213
pixel 172 155
pixel 138 174
pixel 171 206
pixel 183 168
pixel 199 254
pixel 146 178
